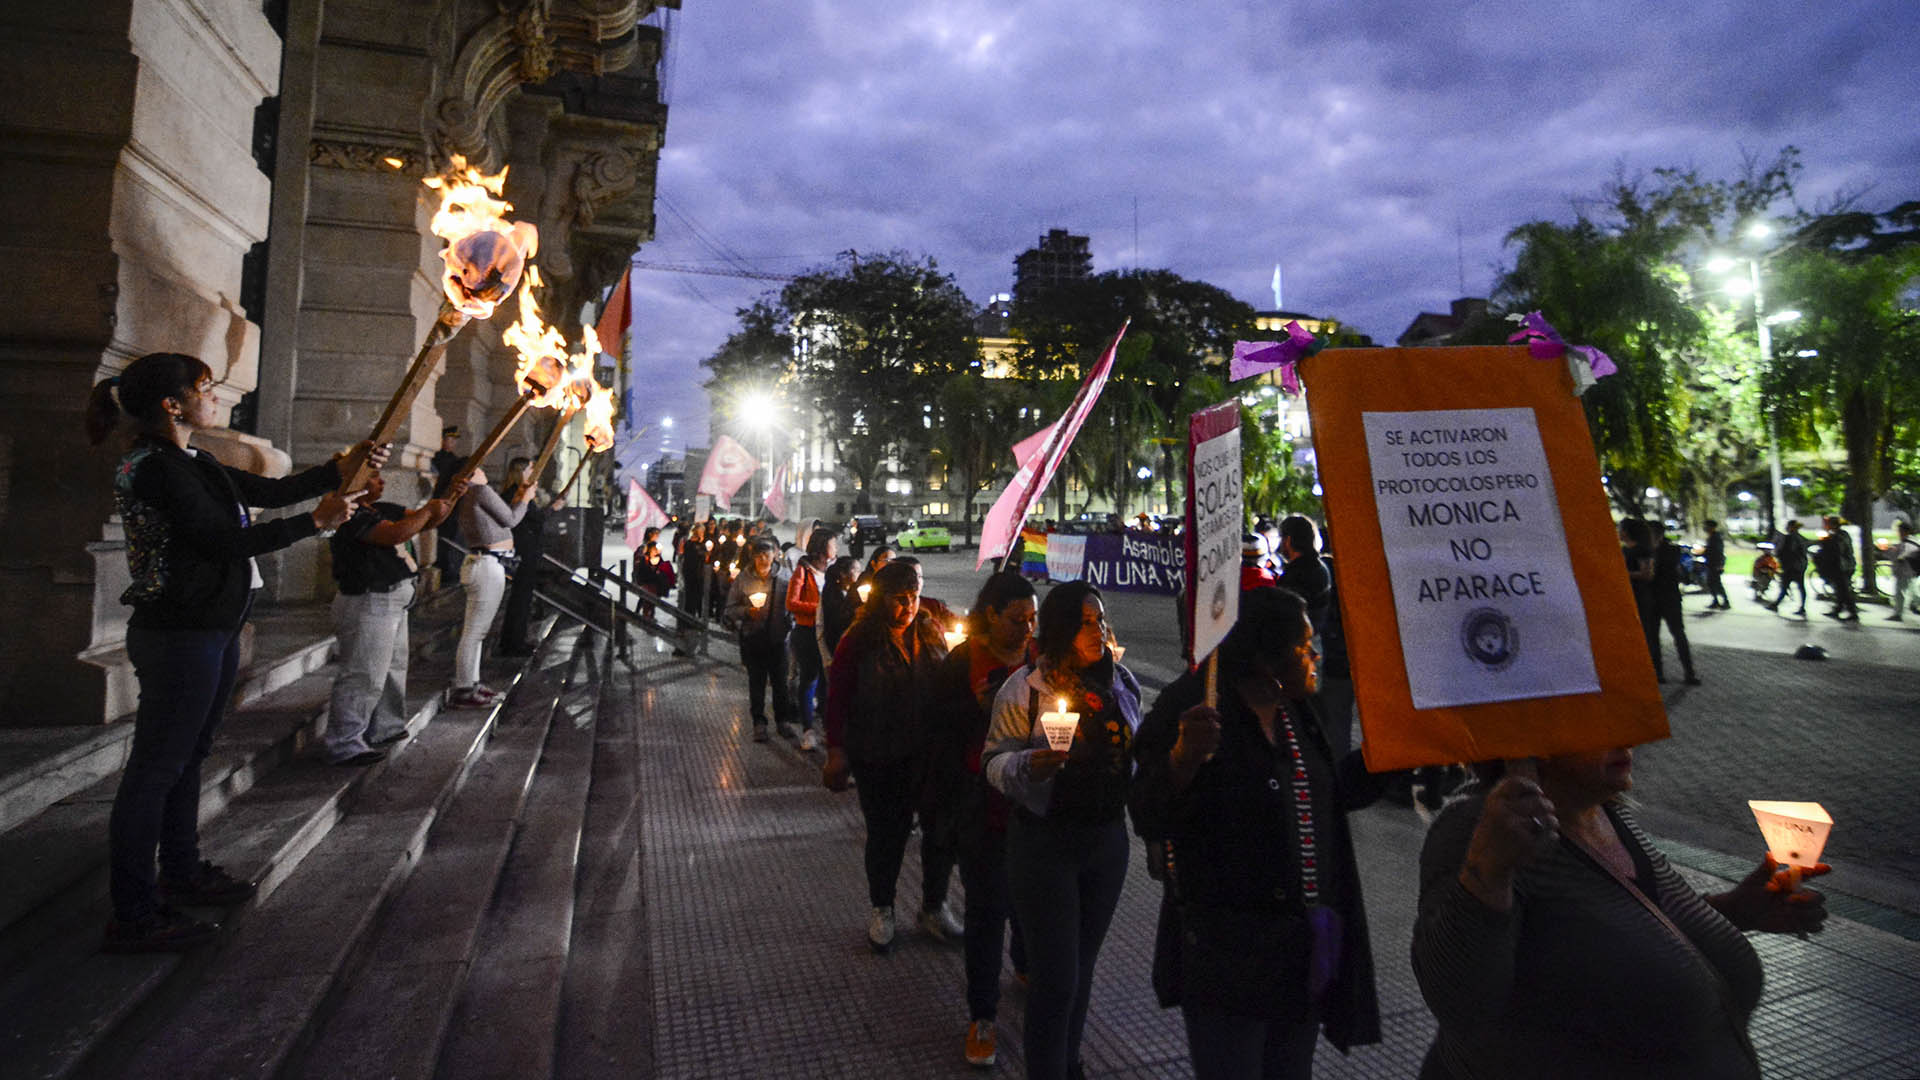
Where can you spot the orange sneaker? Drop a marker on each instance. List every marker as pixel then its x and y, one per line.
pixel 980 1047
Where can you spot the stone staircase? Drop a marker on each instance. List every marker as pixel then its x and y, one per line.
pixel 414 918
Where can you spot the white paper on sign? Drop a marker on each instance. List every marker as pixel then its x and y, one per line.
pixel 1484 592
pixel 1796 832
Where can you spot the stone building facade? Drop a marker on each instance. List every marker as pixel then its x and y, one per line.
pixel 241 180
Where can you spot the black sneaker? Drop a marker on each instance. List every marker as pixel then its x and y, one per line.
pixel 166 930
pixel 207 886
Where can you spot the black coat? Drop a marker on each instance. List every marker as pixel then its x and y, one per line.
pixel 190 537
pixel 1252 873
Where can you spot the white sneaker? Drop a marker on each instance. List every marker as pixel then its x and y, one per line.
pixel 809 740
pixel 941 925
pixel 880 929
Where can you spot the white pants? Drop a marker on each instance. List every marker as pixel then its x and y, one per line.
pixel 370 694
pixel 486 582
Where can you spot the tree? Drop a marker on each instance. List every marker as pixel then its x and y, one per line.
pixel 754 358
pixel 1617 279
pixel 976 415
pixel 1180 328
pixel 875 340
pixel 1851 361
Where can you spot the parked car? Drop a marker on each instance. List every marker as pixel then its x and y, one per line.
pixel 917 537
pixel 867 528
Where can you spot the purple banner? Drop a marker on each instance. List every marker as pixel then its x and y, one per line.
pixel 1140 562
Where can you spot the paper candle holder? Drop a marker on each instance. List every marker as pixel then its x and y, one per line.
pixel 1796 832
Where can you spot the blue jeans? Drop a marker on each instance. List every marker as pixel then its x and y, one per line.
pixel 1227 1047
pixel 806 667
pixel 1065 881
pixel 983 874
pixel 185 679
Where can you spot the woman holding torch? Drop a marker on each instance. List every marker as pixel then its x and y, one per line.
pixel 190 547
pixel 487 523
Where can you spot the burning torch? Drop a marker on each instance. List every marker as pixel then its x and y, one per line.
pixel 599 435
pixel 485 255
pixel 541 374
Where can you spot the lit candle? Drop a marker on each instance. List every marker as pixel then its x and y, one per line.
pixel 1059 725
pixel 1795 833
pixel 865 588
pixel 758 600
pixel 955 636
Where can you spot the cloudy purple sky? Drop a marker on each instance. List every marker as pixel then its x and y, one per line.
pixel 1373 149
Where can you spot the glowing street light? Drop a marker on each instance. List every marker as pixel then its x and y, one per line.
pixel 1749 285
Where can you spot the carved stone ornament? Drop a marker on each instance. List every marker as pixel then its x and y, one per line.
pixel 366 157
pixel 526 42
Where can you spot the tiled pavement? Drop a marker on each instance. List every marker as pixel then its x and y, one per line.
pixel 753 904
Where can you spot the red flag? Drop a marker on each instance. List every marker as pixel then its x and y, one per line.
pixel 728 466
pixel 642 514
pixel 776 498
pixel 1038 456
pixel 616 317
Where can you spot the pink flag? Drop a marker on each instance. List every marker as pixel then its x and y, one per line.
pixel 776 500
pixel 1038 456
pixel 616 317
pixel 728 466
pixel 642 514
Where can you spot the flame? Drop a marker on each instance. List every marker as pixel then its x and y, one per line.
pixel 599 410
pixel 485 253
pixel 542 371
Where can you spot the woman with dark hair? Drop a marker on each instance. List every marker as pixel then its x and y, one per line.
pixel 1000 633
pixel 1067 841
pixel 191 542
pixel 880 682
pixel 486 526
pixel 1554 938
pixel 881 556
pixel 803 600
pixel 694 570
pixel 757 610
pixel 1263 938
pixel 839 604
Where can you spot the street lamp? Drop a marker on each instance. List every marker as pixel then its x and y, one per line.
pixel 1763 325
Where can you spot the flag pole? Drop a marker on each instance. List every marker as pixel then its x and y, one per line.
pixel 1053 442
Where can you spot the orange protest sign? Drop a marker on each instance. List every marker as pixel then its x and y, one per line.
pixel 1482 589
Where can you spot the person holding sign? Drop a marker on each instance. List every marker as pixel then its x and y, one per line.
pixel 1263 937
pixel 1554 939
pixel 1067 841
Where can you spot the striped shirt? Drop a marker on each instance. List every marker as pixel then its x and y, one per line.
pixel 1579 979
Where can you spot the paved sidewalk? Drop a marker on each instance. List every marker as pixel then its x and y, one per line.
pixel 754 908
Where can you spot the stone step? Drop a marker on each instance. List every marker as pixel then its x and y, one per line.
pixel 63 1005
pixel 506 1017
pixel 58 857
pixel 390 1017
pixel 606 999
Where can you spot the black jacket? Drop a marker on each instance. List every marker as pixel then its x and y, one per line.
pixel 1233 855
pixel 190 536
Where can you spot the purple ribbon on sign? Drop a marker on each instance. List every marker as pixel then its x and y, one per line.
pixel 1545 343
pixel 1255 357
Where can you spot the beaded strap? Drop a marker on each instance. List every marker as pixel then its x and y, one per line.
pixel 1303 814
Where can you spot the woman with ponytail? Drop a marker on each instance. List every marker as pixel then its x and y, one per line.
pixel 191 542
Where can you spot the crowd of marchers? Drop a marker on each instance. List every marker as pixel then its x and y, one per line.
pixel 1553 939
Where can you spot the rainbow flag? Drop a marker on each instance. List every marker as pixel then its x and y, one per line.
pixel 1033 552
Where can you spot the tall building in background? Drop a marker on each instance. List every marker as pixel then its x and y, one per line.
pixel 1058 258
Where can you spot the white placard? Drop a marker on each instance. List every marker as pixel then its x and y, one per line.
pixel 1482 586
pixel 1216 497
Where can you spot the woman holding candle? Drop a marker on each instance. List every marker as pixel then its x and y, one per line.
pixel 839 604
pixel 1263 937
pixel 695 573
pixel 191 542
pixel 880 681
pixel 803 600
pixel 1554 939
pixel 757 608
pixel 1067 841
pixel 998 639
pixel 486 524
pixel 881 556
